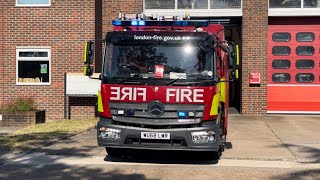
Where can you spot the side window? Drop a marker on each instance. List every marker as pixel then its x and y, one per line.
pixel 281 37
pixel 281 77
pixel 33 66
pixel 304 64
pixel 305 37
pixel 305 50
pixel 281 64
pixel 304 77
pixel 281 50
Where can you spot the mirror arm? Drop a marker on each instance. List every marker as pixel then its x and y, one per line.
pixel 231 80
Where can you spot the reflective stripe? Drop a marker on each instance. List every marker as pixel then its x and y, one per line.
pixel 223 88
pixel 100 105
pixel 85 52
pixel 215 105
pixel 237 54
pixel 238 60
pixel 85 70
pixel 237 73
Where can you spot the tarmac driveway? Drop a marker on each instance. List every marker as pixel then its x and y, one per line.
pixel 279 138
pixel 299 133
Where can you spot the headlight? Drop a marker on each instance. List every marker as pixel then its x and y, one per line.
pixel 109 133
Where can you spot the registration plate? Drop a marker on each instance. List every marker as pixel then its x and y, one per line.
pixel 154 135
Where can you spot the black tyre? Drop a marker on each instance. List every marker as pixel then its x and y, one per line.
pixel 114 152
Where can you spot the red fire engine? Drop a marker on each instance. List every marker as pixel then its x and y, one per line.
pixel 164 85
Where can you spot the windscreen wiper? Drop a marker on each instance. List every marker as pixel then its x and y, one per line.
pixel 172 81
pixel 195 82
pixel 125 79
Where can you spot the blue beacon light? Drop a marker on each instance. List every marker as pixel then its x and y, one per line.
pixel 182 114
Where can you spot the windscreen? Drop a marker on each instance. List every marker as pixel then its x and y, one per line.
pixel 156 60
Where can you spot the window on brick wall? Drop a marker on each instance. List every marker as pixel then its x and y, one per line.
pixel 33 66
pixel 285 3
pixel 311 3
pixel 225 4
pixel 294 3
pixel 159 4
pixel 190 4
pixel 33 2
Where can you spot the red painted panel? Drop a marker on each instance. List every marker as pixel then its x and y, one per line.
pixel 165 94
pixel 296 96
pixel 293 98
pixel 293 57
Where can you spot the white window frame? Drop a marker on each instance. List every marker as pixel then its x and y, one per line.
pixel 194 12
pixel 33 49
pixel 293 11
pixel 33 5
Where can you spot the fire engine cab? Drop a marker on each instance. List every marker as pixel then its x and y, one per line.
pixel 164 85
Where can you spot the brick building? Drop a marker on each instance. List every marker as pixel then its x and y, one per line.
pixel 50 34
pixel 279 39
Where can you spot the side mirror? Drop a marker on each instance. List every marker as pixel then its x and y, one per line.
pixel 232 60
pixel 88 71
pixel 88 58
pixel 231 55
pixel 88 52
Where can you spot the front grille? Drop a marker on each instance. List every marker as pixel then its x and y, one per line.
pixel 169 116
pixel 156 142
pixel 153 121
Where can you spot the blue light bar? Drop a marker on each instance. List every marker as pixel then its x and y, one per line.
pixel 134 23
pixel 142 23
pixel 116 23
pixel 196 23
pixel 182 114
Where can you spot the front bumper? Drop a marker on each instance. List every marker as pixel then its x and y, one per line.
pixel 180 138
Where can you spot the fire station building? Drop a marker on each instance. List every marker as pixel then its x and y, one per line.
pixel 42 40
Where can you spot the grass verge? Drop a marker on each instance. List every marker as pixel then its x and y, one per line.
pixel 40 134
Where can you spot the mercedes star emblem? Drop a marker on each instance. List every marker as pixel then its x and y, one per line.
pixel 156 109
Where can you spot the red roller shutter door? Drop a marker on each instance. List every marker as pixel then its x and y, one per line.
pixel 293 69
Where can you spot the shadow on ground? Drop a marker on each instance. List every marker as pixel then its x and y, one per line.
pixel 303 174
pixel 31 167
pixel 304 154
pixel 26 142
pixel 61 171
pixel 46 162
pixel 165 157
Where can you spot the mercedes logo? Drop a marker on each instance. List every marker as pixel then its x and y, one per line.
pixel 156 109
